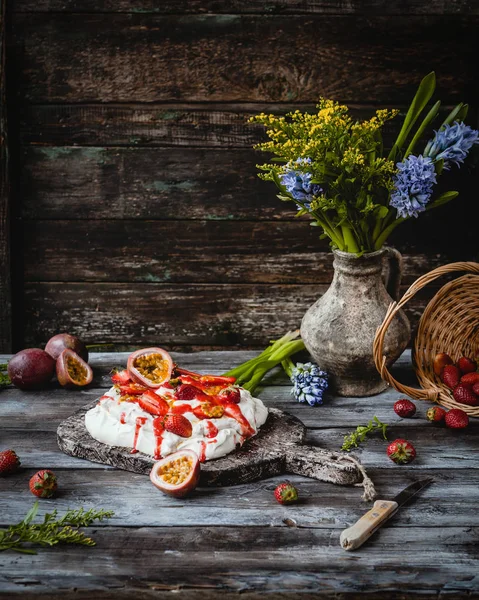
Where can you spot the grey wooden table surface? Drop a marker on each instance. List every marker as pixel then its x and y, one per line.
pixel 238 540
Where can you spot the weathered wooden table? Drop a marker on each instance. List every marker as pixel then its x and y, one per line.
pixel 238 540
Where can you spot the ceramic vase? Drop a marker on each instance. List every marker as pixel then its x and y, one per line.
pixel 339 329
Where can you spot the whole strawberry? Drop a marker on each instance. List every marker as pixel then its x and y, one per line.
pixel 401 452
pixel 450 376
pixel 435 414
pixel 404 408
pixel 286 493
pixel 464 395
pixel 470 378
pixel 230 394
pixel 9 462
pixel 43 484
pixel 456 419
pixel 440 361
pixel 467 365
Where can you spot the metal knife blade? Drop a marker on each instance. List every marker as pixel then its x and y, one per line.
pixel 411 490
pixel 357 534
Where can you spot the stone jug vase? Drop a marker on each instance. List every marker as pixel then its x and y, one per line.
pixel 339 329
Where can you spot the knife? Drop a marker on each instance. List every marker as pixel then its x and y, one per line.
pixel 383 510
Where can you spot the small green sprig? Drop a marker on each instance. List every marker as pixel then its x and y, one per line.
pixel 52 531
pixel 4 378
pixel 352 440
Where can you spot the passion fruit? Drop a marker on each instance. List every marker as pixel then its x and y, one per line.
pixel 58 343
pixel 151 367
pixel 72 370
pixel 31 368
pixel 178 474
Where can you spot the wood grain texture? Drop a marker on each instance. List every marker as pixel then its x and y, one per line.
pixel 232 58
pixel 323 506
pixel 172 314
pixel 208 183
pixel 5 276
pixel 166 125
pixel 237 542
pixel 362 7
pixel 198 252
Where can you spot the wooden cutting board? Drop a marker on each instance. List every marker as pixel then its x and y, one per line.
pixel 277 448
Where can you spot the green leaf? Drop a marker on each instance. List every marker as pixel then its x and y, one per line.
pixel 431 115
pixel 462 114
pixel 439 166
pixel 283 198
pixel 382 211
pixel 278 182
pixel 452 116
pixel 419 102
pixel 31 514
pixel 443 199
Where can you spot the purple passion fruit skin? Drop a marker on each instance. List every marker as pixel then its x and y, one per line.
pixel 61 341
pixel 177 474
pixel 31 369
pixel 72 370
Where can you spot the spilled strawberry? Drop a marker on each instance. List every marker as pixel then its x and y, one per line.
pixel 435 414
pixel 286 493
pixel 43 484
pixel 404 408
pixel 456 419
pixel 9 462
pixel 401 452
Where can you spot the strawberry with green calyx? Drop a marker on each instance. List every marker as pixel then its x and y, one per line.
pixel 456 419
pixel 401 452
pixel 435 414
pixel 44 484
pixel 404 408
pixel 9 462
pixel 286 493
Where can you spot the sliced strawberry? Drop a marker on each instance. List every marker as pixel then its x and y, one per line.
pixel 132 389
pixel 187 391
pixel 153 404
pixel 205 379
pixel 179 425
pixel 121 377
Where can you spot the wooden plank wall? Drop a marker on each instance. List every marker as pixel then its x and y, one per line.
pixel 139 218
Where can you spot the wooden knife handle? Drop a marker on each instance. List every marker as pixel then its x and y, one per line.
pixel 357 534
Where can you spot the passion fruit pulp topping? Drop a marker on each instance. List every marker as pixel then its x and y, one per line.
pixel 152 366
pixel 212 411
pixel 77 371
pixel 176 471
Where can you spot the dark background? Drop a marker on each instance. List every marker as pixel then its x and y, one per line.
pixel 137 217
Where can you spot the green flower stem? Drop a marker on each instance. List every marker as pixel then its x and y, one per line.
pixel 349 240
pixel 239 370
pixel 288 366
pixel 250 373
pixel 386 233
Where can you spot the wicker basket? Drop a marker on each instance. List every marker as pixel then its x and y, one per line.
pixel 449 324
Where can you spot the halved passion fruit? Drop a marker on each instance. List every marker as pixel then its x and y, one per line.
pixel 178 474
pixel 72 370
pixel 151 367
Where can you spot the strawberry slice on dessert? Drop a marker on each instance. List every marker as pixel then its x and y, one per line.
pixel 121 377
pixel 132 389
pixel 153 404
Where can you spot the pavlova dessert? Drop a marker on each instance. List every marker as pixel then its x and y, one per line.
pixel 158 408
